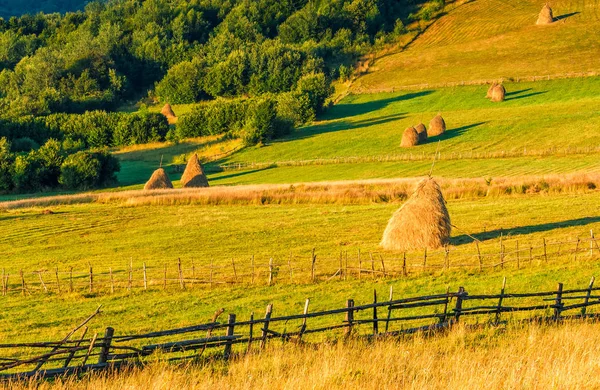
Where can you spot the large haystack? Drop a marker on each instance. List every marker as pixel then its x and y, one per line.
pixel 410 138
pixel 422 131
pixel 488 95
pixel 167 111
pixel 437 126
pixel 194 176
pixel 422 222
pixel 498 93
pixel 158 181
pixel 545 16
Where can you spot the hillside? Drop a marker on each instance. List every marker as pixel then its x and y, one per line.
pixel 10 8
pixel 492 39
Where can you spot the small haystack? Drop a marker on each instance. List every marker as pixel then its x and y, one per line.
pixel 194 176
pixel 158 181
pixel 498 93
pixel 422 222
pixel 437 126
pixel 545 16
pixel 490 89
pixel 410 138
pixel 422 131
pixel 167 111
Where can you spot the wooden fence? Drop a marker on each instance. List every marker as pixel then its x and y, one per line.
pixel 294 269
pixel 78 352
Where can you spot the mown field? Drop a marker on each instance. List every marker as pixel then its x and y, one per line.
pixel 493 39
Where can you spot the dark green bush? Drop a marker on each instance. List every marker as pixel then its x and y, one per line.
pixel 84 170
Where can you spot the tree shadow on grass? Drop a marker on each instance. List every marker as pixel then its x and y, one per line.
pixel 544 227
pixel 347 110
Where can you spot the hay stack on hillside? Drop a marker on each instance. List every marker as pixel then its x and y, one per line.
pixel 422 131
pixel 167 111
pixel 194 175
pixel 488 95
pixel 545 16
pixel 498 93
pixel 422 222
pixel 158 181
pixel 437 126
pixel 410 138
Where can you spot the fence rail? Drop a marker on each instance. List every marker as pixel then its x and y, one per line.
pixel 379 318
pixel 293 269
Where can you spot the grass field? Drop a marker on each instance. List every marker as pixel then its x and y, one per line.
pixel 493 39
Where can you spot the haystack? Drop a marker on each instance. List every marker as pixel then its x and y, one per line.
pixel 437 126
pixel 158 181
pixel 488 95
pixel 194 176
pixel 422 222
pixel 545 16
pixel 422 131
pixel 167 111
pixel 410 138
pixel 498 93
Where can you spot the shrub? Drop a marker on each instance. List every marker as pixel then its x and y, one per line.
pixel 24 144
pixel 317 89
pixel 84 170
pixel 6 166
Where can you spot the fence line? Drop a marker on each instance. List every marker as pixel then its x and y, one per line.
pixel 292 269
pixel 412 156
pixel 398 316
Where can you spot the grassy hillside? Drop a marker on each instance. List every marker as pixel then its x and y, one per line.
pixel 493 39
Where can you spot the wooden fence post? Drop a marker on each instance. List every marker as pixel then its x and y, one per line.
pixel 349 316
pixel 501 252
pixel 530 253
pixel 22 282
pixel 443 317
pixel 270 271
pixel 372 265
pixel 458 307
pixel 404 264
pixel 42 282
pixel 341 269
pixel 359 265
pixel 303 327
pixel 446 257
pixel 193 281
pixel 499 310
pixel 250 332
pixel 389 314
pixel 424 260
pixel 375 319
pixel 112 281
pixel 266 325
pixel 518 258
pixel 576 249
pixel 312 267
pixel 108 336
pixel 545 252
pixel 587 297
pixel 70 279
pixel 3 282
pixel 145 276
pixel 479 256
pixel 130 282
pixel 57 280
pixel 180 272
pixel 558 304
pixel 382 266
pixel 230 328
pixel 91 280
pixel 165 277
pixel 290 268
pixel 235 278
pixel 211 274
pixel 591 243
pixel 346 267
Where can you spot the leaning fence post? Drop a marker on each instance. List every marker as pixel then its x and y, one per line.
pixel 349 316
pixel 558 304
pixel 587 297
pixel 312 266
pixel 230 328
pixel 108 335
pixel 499 309
pixel 375 320
pixel 382 266
pixel 459 300
pixel 305 313
pixel 266 325
pixel 479 256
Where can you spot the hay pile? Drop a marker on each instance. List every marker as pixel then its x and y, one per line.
pixel 422 131
pixel 167 111
pixel 422 222
pixel 545 16
pixel 437 126
pixel 194 176
pixel 488 95
pixel 410 138
pixel 158 181
pixel 498 93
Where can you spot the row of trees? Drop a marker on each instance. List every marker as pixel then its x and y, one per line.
pixel 55 165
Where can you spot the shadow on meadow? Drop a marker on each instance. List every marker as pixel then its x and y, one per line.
pixel 520 230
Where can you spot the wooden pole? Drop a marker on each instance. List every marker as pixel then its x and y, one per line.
pixel 112 281
pixel 545 253
pixel 349 316
pixel 145 276
pixel 270 271
pixel 42 282
pixel 230 328
pixel 180 271
pixel 266 325
pixel 91 280
pixel 445 314
pixel 389 313
pixel 312 268
pixel 499 310
pixel 250 332
pixel 89 351
pixel 576 249
pixel 341 269
pixel 70 279
pixel 530 254
pixel 303 327
pixel 23 288
pixel 193 281
pixel 404 264
pixel 372 266
pixel 424 260
pixel 57 279
pixel 375 319
pixel 359 265
pixel 211 273
pixel 587 297
pixel 479 256
pixel 591 243
pixel 108 336
pixel 458 307
pixel 382 265
pixel 346 267
pixel 446 257
pixel 3 282
pixel 558 304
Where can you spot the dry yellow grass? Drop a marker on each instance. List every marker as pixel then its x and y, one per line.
pixel 333 192
pixel 519 357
